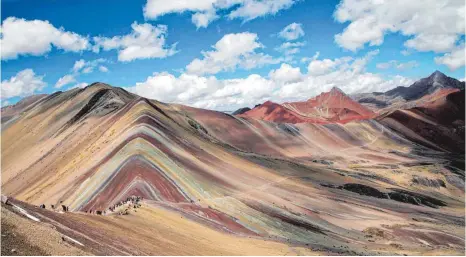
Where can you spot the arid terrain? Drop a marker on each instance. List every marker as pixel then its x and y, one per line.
pixel 119 174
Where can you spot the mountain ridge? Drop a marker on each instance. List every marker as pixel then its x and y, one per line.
pixel 126 166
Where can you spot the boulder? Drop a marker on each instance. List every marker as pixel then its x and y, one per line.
pixel 5 199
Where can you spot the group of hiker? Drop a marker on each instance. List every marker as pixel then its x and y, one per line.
pixel 132 200
pixel 63 207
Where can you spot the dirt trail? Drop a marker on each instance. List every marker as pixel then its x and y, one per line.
pixel 21 236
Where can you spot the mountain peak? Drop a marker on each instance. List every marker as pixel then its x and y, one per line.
pixel 101 84
pixel 336 90
pixel 437 74
pixel 268 102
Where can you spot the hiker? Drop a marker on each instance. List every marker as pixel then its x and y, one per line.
pixel 42 206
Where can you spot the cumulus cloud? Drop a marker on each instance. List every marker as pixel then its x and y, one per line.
pixel 65 80
pixel 292 31
pixel 251 9
pixel 144 42
pixel 290 48
pixel 36 37
pixel 319 67
pixel 453 60
pixel 202 19
pixel 397 65
pixel 24 83
pixel 204 11
pixel 156 8
pixel 286 74
pixel 80 85
pixel 103 68
pixel 424 20
pixel 81 66
pixel 205 92
pixel 439 43
pixel 431 25
pixel 78 65
pixel 230 52
pixel 287 83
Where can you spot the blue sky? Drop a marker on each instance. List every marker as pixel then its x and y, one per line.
pixel 367 58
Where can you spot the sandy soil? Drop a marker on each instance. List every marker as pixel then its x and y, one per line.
pixel 21 236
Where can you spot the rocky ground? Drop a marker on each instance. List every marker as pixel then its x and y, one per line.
pixel 21 236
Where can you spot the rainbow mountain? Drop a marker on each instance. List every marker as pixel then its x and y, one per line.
pixel 215 183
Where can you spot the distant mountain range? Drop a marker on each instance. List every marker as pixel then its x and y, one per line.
pixel 336 106
pixel 332 106
pixel 437 81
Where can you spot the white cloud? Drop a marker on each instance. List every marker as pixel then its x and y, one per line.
pixel 82 66
pixel 230 52
pixel 453 60
pixel 144 42
pixel 397 65
pixel 79 85
pixel 103 68
pixel 173 89
pixel 4 103
pixel 286 74
pixel 36 37
pixel 345 73
pixel 204 11
pixel 65 80
pixel 432 25
pixel 290 48
pixel 202 19
pixel 405 52
pixel 251 9
pixel 156 8
pixel 435 42
pixel 425 20
pixel 78 65
pixel 24 83
pixel 205 92
pixel 292 31
pixel 88 70
pixel 286 83
pixel 318 67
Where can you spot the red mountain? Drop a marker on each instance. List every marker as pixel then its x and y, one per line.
pixel 271 111
pixel 333 106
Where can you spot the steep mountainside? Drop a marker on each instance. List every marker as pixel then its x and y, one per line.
pixel 333 106
pixel 11 110
pixel 438 122
pixel 425 86
pixel 139 177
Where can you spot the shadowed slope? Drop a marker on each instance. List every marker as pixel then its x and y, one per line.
pixel 438 123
